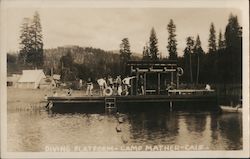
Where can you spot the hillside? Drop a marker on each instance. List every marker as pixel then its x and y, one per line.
pixel 86 61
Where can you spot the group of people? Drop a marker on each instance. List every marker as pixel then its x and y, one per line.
pixel 111 86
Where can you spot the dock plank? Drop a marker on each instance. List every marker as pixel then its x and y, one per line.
pixel 129 99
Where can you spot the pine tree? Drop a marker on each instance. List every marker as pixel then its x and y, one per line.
pixel 36 36
pixel 25 47
pixel 233 40
pixel 198 51
pixel 212 39
pixel 145 53
pixel 153 48
pixel 172 42
pixel 233 32
pixel 31 44
pixel 221 42
pixel 125 53
pixel 188 56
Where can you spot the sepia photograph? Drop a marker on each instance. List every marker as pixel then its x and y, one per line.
pixel 124 78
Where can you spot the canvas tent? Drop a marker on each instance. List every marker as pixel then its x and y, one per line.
pixel 30 79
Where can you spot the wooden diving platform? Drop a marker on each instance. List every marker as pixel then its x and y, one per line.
pixel 172 101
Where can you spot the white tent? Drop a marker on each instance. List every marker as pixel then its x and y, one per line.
pixel 30 79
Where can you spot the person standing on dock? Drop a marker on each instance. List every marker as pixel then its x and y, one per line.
pixel 89 87
pixel 127 83
pixel 80 84
pixel 110 82
pixel 102 84
pixel 119 85
pixel 141 85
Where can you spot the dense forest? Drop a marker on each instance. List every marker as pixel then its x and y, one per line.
pixel 222 63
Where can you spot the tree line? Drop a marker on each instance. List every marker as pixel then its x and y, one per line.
pixel 222 63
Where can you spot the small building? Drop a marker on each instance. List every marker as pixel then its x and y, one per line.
pixel 30 79
pixel 12 80
pixel 47 83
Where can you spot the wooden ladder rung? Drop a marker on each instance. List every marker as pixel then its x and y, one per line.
pixel 110 103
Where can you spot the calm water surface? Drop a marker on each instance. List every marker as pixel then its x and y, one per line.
pixel 47 131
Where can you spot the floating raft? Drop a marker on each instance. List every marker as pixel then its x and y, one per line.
pixel 230 109
pixel 136 101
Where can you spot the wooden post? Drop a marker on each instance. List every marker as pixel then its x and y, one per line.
pixel 145 84
pixel 136 85
pixel 51 72
pixel 132 81
pixel 177 81
pixel 172 75
pixel 159 83
pixel 132 87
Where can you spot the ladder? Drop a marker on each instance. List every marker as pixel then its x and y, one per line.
pixel 110 103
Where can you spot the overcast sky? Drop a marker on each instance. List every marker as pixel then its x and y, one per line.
pixel 105 27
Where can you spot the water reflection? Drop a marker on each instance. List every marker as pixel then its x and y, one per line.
pixel 196 122
pixel 214 127
pixel 33 131
pixel 230 128
pixel 148 127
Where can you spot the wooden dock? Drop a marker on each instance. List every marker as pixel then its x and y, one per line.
pixel 136 101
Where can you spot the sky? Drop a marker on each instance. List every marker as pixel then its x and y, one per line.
pixel 105 27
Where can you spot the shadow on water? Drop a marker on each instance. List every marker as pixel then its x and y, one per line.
pixel 134 107
pixel 78 108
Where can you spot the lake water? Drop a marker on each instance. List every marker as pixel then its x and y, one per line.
pixel 39 131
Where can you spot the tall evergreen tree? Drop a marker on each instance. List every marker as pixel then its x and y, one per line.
pixel 198 52
pixel 153 48
pixel 233 32
pixel 145 53
pixel 188 56
pixel 31 44
pixel 221 42
pixel 25 46
pixel 212 39
pixel 125 53
pixel 233 40
pixel 36 36
pixel 172 42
